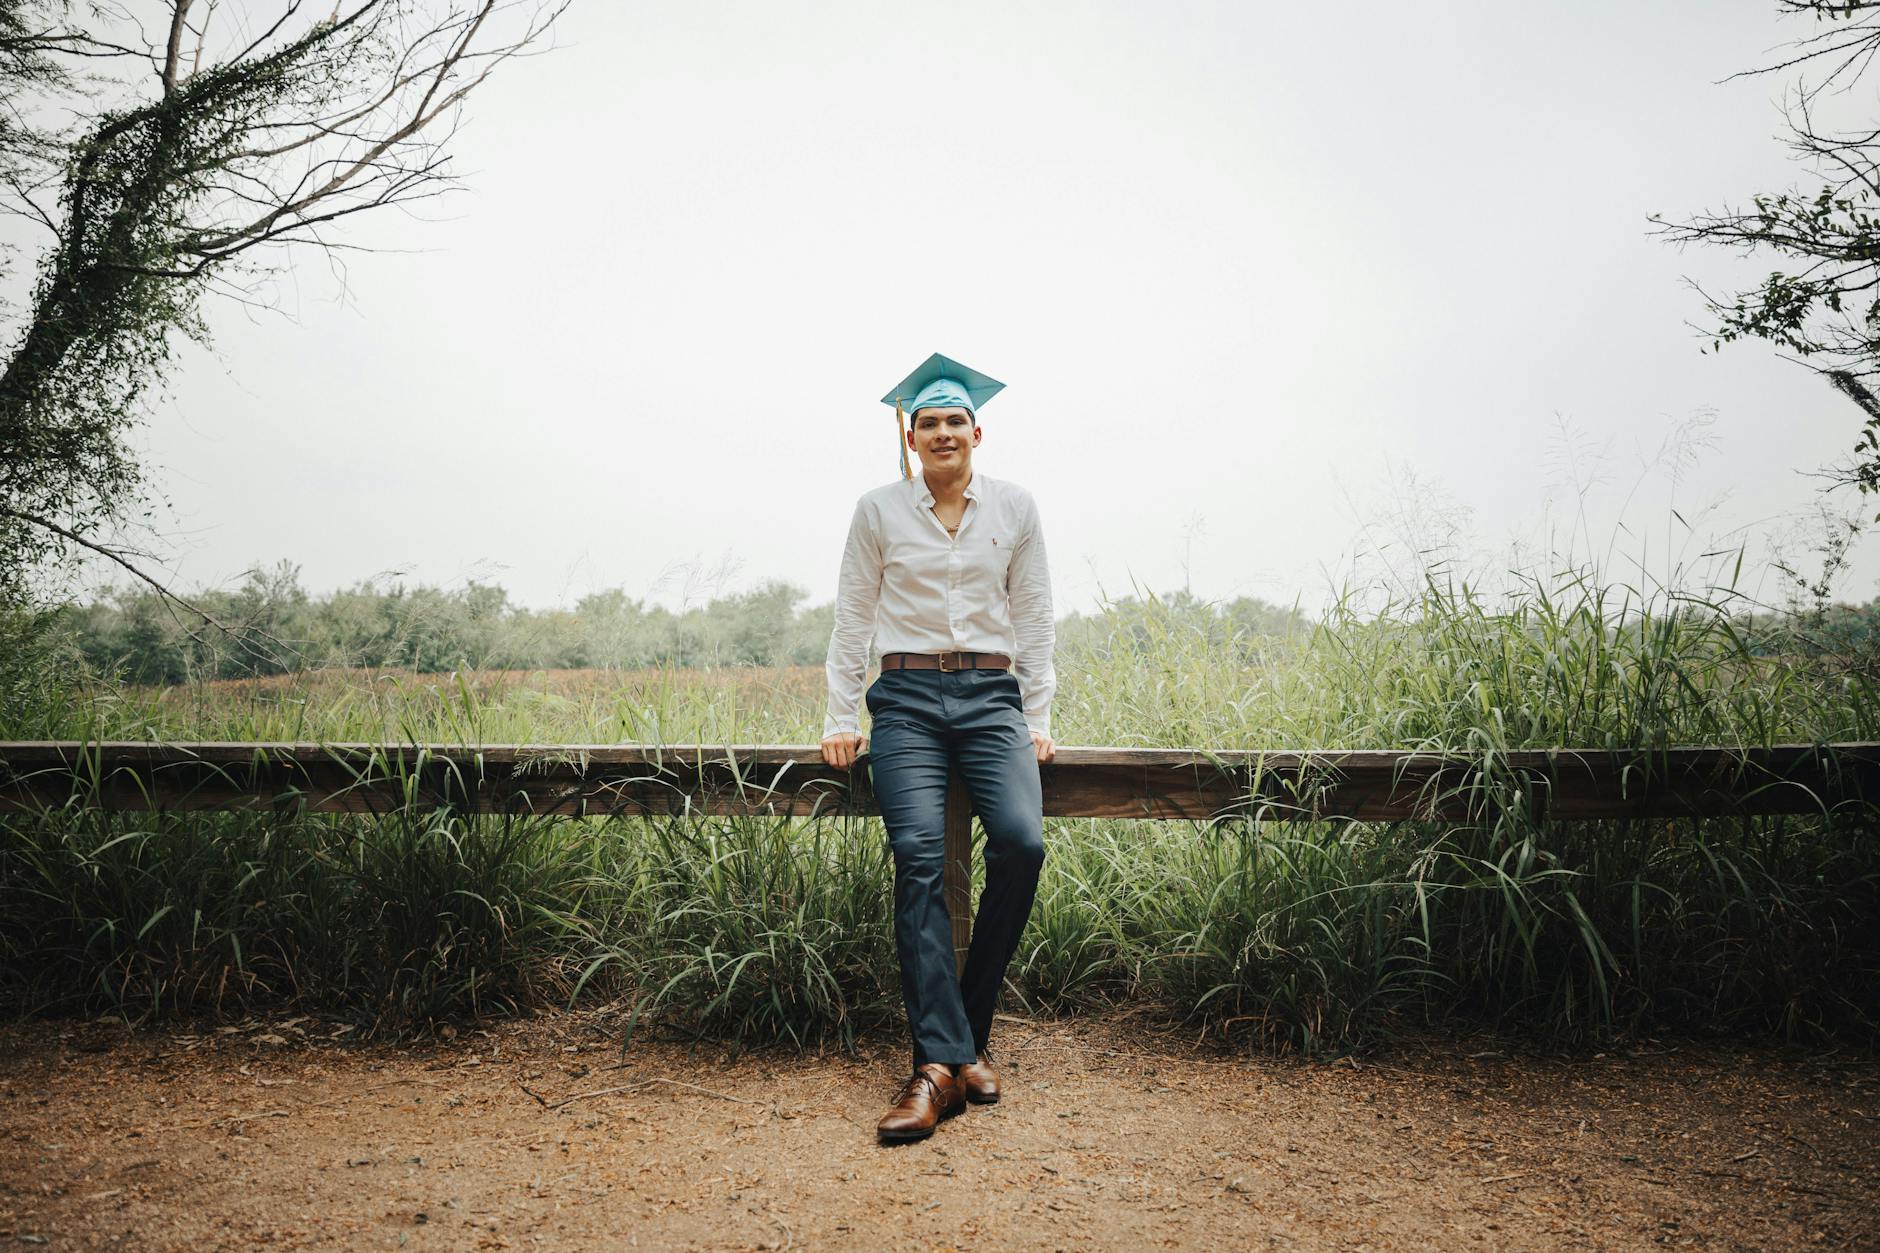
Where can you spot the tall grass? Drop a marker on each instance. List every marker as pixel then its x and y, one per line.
pixel 1310 935
pixel 400 919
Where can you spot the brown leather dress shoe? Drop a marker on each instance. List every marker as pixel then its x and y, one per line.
pixel 932 1093
pixel 980 1081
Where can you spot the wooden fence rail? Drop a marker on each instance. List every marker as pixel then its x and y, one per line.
pixel 646 781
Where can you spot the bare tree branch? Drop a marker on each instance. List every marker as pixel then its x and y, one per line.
pixel 249 143
pixel 173 55
pixel 116 555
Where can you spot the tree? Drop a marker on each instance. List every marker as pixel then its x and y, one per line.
pixel 160 171
pixel 1823 302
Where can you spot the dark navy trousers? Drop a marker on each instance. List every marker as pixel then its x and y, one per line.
pixel 924 722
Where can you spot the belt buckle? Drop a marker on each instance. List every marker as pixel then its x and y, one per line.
pixel 944 667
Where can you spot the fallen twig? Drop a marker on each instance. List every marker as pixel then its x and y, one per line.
pixel 630 1087
pixel 343 1097
pixel 582 1096
pixel 223 1120
pixel 680 1083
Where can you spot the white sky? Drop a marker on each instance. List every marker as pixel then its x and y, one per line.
pixel 1268 284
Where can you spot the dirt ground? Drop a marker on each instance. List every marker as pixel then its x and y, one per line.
pixel 539 1135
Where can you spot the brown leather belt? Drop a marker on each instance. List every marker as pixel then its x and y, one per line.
pixel 947 662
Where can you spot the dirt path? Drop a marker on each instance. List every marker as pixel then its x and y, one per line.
pixel 534 1135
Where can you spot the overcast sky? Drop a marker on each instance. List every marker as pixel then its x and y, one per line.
pixel 1270 286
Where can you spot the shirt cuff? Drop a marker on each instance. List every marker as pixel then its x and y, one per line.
pixel 1041 723
pixel 841 726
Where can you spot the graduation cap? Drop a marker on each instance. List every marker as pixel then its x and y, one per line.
pixel 938 382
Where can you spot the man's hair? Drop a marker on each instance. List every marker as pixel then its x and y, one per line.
pixel 913 419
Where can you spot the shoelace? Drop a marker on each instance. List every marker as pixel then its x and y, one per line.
pixel 909 1088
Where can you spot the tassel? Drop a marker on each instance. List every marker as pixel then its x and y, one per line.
pixel 900 438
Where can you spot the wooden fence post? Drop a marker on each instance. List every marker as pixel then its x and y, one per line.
pixel 959 867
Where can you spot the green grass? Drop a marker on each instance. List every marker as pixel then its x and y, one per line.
pixel 1306 935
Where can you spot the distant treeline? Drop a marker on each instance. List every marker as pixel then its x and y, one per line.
pixel 275 626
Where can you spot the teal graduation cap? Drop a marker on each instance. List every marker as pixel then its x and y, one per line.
pixel 938 382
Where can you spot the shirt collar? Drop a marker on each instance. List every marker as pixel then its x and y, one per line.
pixel 925 500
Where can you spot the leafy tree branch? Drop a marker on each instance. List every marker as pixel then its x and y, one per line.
pixel 1822 301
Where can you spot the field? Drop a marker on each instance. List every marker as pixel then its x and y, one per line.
pixel 1309 936
pixel 432 1030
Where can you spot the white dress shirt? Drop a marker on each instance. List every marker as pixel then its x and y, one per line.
pixel 907 587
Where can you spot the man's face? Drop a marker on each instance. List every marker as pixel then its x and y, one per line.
pixel 943 439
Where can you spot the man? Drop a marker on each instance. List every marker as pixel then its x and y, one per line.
pixel 945 573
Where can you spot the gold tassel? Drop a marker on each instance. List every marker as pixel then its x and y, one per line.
pixel 900 438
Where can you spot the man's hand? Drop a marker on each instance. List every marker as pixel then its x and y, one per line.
pixel 1040 741
pixel 841 749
